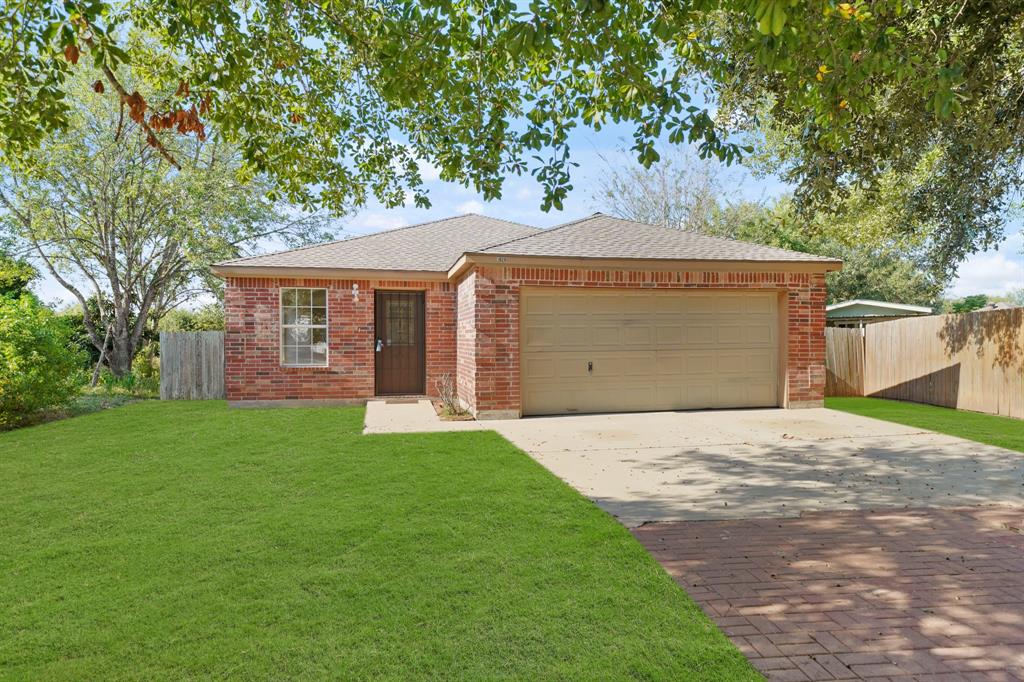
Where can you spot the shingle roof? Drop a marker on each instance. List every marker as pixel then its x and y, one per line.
pixel 602 236
pixel 431 247
pixel 437 245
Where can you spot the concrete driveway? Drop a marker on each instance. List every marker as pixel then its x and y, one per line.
pixel 733 464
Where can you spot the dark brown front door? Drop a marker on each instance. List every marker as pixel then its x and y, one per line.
pixel 400 348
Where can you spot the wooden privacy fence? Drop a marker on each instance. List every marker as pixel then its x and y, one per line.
pixel 844 349
pixel 191 365
pixel 971 361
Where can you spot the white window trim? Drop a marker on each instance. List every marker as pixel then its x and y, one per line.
pixel 281 326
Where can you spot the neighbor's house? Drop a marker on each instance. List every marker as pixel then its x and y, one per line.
pixel 597 315
pixel 859 312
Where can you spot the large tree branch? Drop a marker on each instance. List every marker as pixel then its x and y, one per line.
pixel 90 324
pixel 151 137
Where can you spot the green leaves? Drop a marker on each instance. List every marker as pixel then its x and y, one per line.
pixel 770 16
pixel 338 101
pixel 39 367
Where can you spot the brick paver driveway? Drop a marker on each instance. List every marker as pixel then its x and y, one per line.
pixel 910 594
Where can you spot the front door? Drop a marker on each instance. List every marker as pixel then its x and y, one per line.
pixel 400 343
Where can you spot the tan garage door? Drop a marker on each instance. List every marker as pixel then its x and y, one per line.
pixel 587 350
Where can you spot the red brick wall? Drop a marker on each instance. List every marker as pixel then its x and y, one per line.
pixel 252 361
pixel 491 295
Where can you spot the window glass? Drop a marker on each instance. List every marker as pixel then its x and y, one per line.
pixel 304 327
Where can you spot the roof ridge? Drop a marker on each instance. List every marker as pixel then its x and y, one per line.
pixel 235 261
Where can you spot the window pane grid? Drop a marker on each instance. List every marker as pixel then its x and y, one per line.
pixel 304 327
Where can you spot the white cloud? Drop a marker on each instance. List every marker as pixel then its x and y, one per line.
pixel 365 223
pixel 993 273
pixel 428 171
pixel 471 206
pixel 524 192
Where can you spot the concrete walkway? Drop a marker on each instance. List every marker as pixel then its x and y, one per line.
pixel 410 416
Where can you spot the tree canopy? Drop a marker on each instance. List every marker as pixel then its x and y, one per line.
pixel 339 100
pixel 127 234
pixel 879 262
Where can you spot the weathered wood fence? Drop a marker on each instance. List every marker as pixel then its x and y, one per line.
pixel 971 361
pixel 844 361
pixel 191 365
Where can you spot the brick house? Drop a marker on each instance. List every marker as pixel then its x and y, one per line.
pixel 596 315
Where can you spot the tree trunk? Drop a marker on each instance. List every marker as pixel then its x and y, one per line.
pixel 120 357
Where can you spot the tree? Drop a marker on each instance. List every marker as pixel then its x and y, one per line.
pixel 877 263
pixel 119 227
pixel 318 92
pixel 678 191
pixel 339 100
pixel 969 303
pixel 927 93
pixel 1016 297
pixel 15 275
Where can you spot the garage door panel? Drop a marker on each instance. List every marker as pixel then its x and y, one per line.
pixel 731 304
pixel 698 303
pixel 606 335
pixel 762 332
pixel 538 368
pixel 696 395
pixel 732 334
pixel 650 350
pixel 670 363
pixel 669 335
pixel 699 333
pixel 762 393
pixel 637 335
pixel 730 364
pixel 699 363
pixel 539 337
pixel 761 305
pixel 572 336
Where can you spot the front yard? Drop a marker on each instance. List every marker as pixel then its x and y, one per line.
pixel 174 540
pixel 1002 432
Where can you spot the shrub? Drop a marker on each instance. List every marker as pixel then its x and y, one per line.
pixel 209 318
pixel 146 364
pixel 132 384
pixel 448 392
pixel 39 365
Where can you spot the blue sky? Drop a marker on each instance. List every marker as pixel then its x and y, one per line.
pixel 993 273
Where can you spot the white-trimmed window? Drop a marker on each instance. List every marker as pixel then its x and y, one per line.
pixel 304 327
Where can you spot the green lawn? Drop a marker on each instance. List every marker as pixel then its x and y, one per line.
pixel 984 428
pixel 183 540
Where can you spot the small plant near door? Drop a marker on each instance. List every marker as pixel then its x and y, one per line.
pixel 448 393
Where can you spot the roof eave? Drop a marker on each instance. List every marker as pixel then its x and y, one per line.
pixel 225 271
pixel 902 307
pixel 469 259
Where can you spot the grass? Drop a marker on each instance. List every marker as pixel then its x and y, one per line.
pixel 187 540
pixel 1003 432
pixel 87 402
